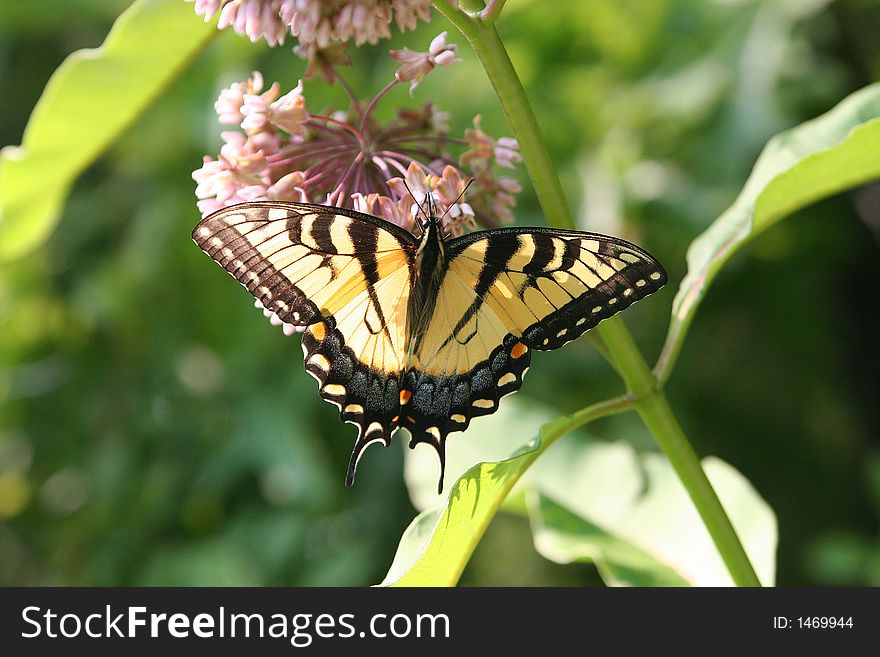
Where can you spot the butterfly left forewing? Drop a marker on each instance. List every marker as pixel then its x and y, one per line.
pixel 341 276
pixel 300 260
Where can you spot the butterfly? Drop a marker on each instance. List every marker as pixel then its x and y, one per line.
pixel 423 333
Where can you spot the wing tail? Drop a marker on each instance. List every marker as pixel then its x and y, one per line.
pixel 438 405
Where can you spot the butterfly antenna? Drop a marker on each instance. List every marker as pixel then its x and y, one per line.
pixel 418 205
pixel 458 198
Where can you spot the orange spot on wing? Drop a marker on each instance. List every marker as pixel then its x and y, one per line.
pixel 518 350
pixel 319 331
pixel 405 396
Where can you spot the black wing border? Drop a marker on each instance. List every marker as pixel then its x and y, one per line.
pixel 457 245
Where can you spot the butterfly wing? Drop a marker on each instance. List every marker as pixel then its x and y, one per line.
pixel 506 292
pixel 341 276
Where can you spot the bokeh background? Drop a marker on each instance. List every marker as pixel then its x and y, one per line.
pixel 155 429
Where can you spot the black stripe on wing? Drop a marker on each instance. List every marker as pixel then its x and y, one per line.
pixel 254 242
pixel 584 277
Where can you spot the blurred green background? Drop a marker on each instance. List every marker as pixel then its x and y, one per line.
pixel 155 429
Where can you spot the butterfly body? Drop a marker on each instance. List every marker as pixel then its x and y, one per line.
pixel 423 334
pixel 428 270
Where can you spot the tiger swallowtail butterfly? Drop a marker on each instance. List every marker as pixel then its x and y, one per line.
pixel 421 333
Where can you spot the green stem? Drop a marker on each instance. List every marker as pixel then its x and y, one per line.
pixel 485 11
pixel 650 402
pixel 492 10
pixel 554 430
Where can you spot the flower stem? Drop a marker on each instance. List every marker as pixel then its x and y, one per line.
pixel 366 115
pixel 552 431
pixel 650 401
pixel 355 103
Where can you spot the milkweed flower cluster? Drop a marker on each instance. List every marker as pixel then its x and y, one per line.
pixel 315 22
pixel 348 158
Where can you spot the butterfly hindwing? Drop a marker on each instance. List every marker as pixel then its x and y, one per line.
pixel 508 291
pixel 440 402
pixel 343 277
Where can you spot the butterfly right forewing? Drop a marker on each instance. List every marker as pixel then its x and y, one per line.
pixel 551 286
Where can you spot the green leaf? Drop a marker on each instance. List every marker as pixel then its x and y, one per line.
pixel 565 537
pixel 827 155
pixel 437 545
pixel 630 515
pixel 412 545
pixel 92 97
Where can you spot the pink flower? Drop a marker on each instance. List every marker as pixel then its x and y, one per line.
pixel 507 152
pixel 397 212
pixel 269 142
pixel 255 109
pixel 407 13
pixel 228 105
pixel 319 22
pixel 446 191
pixel 483 149
pixel 363 22
pixel 253 18
pixel 214 179
pixel 290 187
pixel 494 197
pixel 289 111
pixel 417 65
pixel 236 176
pixel 206 8
pixel 347 158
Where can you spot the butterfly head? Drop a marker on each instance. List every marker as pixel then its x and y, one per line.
pixel 426 210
